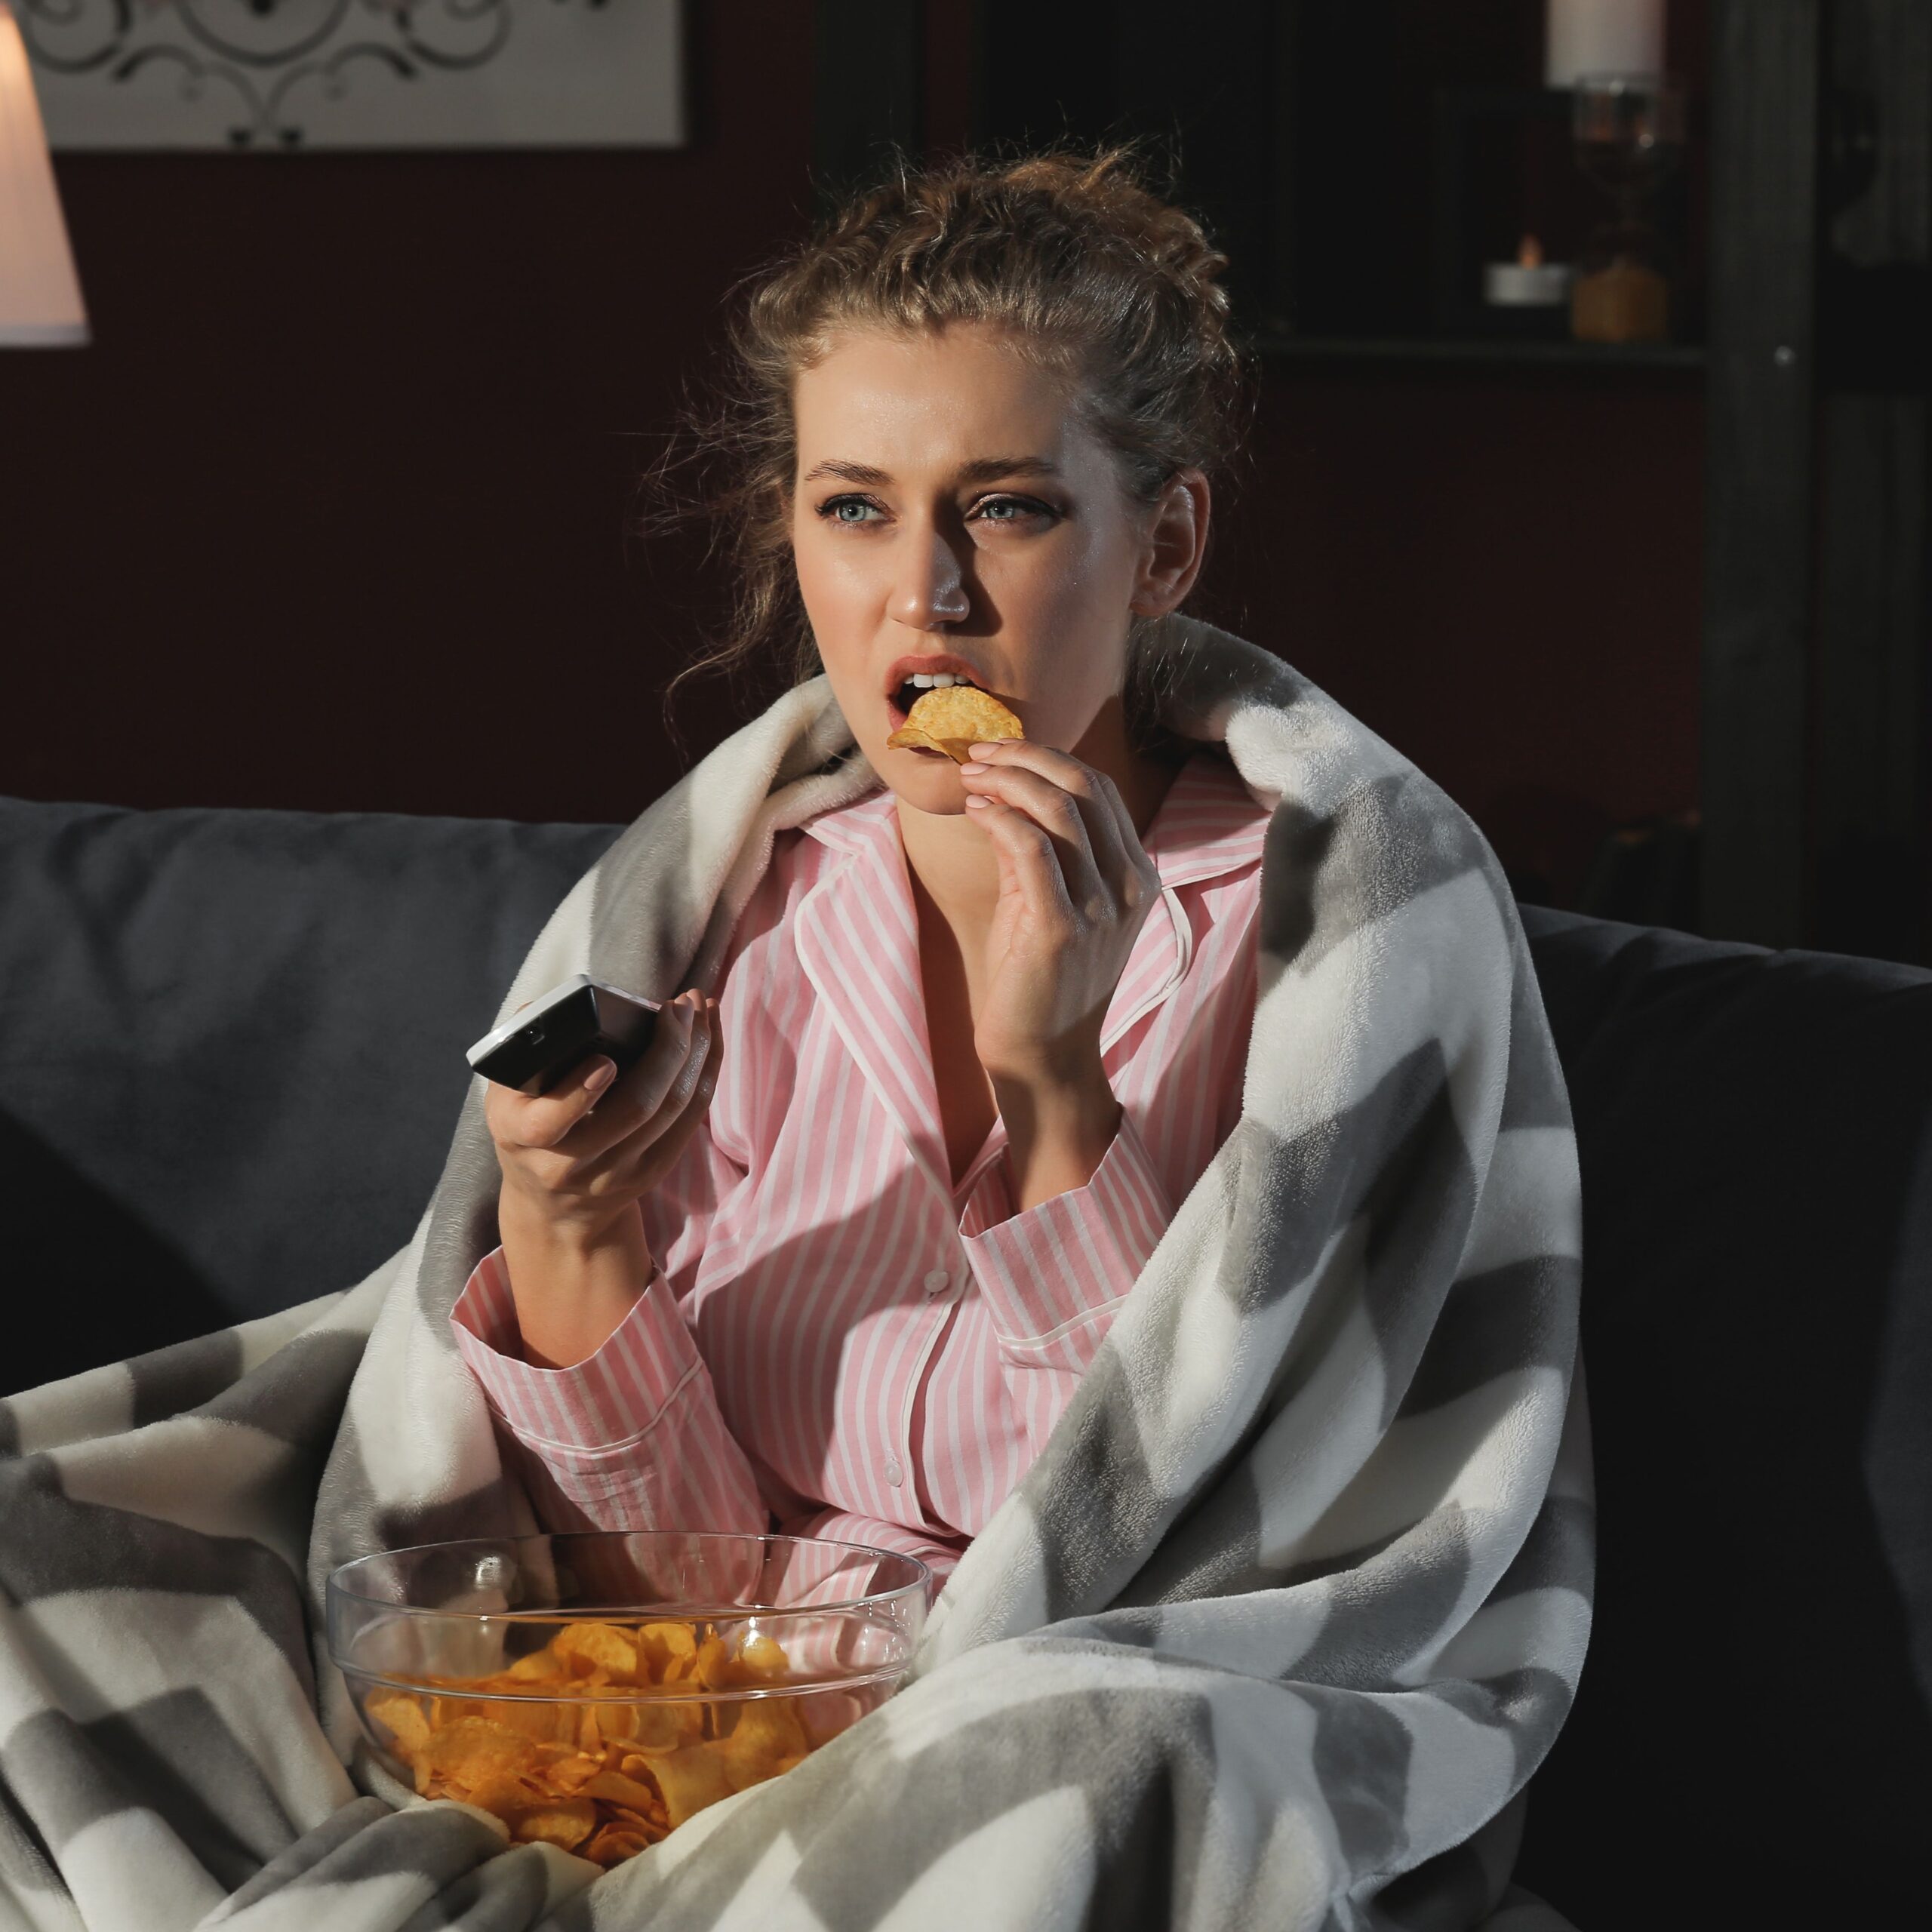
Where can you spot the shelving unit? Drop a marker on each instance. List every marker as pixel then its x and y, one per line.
pixel 1492 352
pixel 1301 129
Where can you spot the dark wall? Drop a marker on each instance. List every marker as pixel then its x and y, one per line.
pixel 332 513
pixel 1502 573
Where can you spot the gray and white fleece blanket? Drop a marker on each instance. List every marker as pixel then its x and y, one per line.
pixel 1274 1633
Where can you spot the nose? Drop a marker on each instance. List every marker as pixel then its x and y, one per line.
pixel 932 591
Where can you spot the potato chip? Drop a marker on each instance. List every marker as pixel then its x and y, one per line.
pixel 474 1749
pixel 961 711
pixel 621 1790
pixel 761 1659
pixel 541 1723
pixel 590 1730
pixel 713 1669
pixel 649 1826
pixel 503 1797
pixel 567 1776
pixel 565 1822
pixel 661 1727
pixel 658 1644
pixel 766 1739
pixel 613 1845
pixel 689 1779
pixel 953 720
pixel 592 1646
pixel 402 1715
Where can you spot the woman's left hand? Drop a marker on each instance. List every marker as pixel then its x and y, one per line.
pixel 1074 886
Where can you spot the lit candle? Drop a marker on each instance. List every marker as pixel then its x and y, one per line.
pixel 1601 37
pixel 1528 282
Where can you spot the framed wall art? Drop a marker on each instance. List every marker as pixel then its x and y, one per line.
pixel 302 74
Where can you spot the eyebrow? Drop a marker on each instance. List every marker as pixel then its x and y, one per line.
pixel 981 469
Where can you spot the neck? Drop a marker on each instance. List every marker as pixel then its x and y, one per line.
pixel 953 871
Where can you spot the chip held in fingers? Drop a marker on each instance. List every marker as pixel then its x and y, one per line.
pixel 952 719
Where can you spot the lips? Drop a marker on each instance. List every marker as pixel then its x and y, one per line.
pixel 901 671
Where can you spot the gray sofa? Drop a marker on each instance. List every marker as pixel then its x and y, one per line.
pixel 231 1055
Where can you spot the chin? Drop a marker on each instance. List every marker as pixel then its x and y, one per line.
pixel 928 782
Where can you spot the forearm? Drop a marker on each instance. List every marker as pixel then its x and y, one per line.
pixel 1057 1134
pixel 573 1285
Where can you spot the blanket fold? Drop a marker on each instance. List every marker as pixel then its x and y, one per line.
pixel 1274 1632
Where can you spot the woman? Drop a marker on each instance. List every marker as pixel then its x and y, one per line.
pixel 1289 1590
pixel 836 1252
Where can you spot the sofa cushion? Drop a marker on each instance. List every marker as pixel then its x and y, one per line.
pixel 233 1054
pixel 1752 1743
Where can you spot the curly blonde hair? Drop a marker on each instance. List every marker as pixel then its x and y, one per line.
pixel 1111 289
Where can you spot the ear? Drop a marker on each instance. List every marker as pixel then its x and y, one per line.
pixel 1175 542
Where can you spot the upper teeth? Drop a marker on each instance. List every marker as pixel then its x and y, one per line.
pixel 936 681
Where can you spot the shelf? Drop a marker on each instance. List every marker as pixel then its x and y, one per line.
pixel 1490 351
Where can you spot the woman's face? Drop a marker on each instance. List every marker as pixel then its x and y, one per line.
pixel 948 506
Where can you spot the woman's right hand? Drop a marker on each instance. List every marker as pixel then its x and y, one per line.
pixel 576 1162
pixel 576 1159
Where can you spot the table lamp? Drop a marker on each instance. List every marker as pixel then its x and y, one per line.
pixel 40 295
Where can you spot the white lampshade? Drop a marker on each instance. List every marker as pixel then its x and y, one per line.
pixel 1601 37
pixel 40 295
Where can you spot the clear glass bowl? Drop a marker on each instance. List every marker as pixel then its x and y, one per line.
pixel 593 1690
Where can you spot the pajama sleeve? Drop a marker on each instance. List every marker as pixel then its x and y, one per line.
pixel 1053 1274
pixel 632 1438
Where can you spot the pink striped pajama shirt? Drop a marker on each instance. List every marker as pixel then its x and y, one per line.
pixel 834 1338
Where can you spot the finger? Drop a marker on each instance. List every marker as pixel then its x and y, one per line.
pixel 715 1063
pixel 556 1120
pixel 1061 811
pixel 1057 767
pixel 1028 856
pixel 1138 879
pixel 643 1105
pixel 671 1143
pixel 1029 753
pixel 1119 857
pixel 540 1120
pixel 1106 793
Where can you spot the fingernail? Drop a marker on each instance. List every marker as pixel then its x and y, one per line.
pixel 976 803
pixel 982 750
pixel 968 770
pixel 599 1078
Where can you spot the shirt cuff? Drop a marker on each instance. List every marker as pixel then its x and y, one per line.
pixel 603 1404
pixel 1050 1268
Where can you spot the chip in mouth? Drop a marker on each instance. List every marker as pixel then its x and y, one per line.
pixel 952 719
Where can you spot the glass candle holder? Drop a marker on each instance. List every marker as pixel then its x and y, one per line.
pixel 1628 131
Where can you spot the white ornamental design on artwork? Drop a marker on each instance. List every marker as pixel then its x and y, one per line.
pixel 289 74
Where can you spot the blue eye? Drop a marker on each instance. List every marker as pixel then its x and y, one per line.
pixel 1026 506
pixel 830 511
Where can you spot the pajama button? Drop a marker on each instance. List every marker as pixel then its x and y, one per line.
pixel 894 1474
pixel 938 1281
